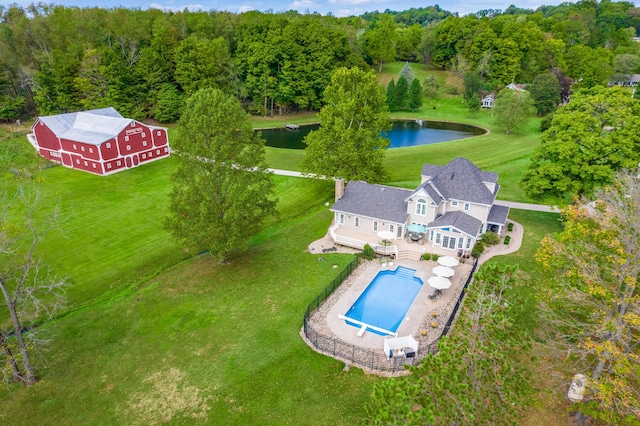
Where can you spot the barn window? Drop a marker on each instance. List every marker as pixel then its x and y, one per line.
pixel 74 146
pixel 133 124
pixel 94 165
pixel 82 148
pixel 158 152
pixel 144 143
pixel 144 156
pixel 144 134
pixel 108 145
pixel 85 163
pixel 91 150
pixel 126 138
pixel 77 161
pixel 159 132
pixel 128 147
pixel 108 165
pixel 118 163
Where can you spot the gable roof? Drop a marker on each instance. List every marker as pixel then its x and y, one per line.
pixel 92 127
pixel 375 201
pixel 460 220
pixel 459 180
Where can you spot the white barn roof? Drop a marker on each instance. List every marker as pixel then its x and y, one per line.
pixel 92 127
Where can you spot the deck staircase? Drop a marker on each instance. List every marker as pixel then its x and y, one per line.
pixel 408 255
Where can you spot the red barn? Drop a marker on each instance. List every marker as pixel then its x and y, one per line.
pixel 99 141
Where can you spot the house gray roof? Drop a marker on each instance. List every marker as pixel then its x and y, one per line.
pixel 375 201
pixel 459 180
pixel 460 220
pixel 498 214
pixel 92 127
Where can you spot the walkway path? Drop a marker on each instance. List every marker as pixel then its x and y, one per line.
pixel 511 204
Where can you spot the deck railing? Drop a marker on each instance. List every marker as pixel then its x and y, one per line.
pixel 363 357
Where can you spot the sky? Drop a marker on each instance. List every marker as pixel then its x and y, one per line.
pixel 338 8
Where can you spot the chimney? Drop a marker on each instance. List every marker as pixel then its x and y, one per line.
pixel 339 188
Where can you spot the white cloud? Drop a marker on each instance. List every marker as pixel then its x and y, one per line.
pixel 298 4
pixel 356 2
pixel 245 8
pixel 180 8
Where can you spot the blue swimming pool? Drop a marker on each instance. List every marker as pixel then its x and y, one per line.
pixel 385 301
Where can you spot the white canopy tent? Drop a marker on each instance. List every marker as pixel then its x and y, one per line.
pixel 398 344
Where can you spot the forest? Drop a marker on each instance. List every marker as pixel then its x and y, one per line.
pixel 145 63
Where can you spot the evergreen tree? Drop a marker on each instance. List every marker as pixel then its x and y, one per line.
pixel 407 72
pixel 402 94
pixel 391 96
pixel 415 95
pixel 474 104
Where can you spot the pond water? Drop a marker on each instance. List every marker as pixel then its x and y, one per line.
pixel 402 134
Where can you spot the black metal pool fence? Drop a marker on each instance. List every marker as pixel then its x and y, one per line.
pixel 362 357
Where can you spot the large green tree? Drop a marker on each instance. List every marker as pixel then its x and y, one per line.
pixel 592 306
pixel 596 134
pixel 513 109
pixel 379 41
pixel 545 91
pixel 221 190
pixel 349 142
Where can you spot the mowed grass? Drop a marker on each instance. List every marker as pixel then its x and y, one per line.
pixel 152 336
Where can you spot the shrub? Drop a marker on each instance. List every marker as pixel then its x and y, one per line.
pixel 507 239
pixel 434 257
pixel 510 227
pixel 426 256
pixel 451 90
pixel 367 252
pixel 546 123
pixel 478 248
pixel 490 238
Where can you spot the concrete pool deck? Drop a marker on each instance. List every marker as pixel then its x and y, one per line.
pixel 420 307
pixel 326 319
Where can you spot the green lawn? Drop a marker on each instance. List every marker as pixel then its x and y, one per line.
pixel 148 326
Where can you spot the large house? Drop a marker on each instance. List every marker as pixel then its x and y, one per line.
pixel 451 209
pixel 99 141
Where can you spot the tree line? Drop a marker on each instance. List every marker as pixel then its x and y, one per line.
pixel 145 63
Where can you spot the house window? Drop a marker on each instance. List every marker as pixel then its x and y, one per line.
pixel 399 233
pixel 460 241
pixel 341 218
pixel 468 243
pixel 431 236
pixel 454 204
pixel 356 221
pixel 445 241
pixel 467 206
pixel 375 226
pixel 438 238
pixel 128 147
pixel 392 227
pixel 421 207
pixel 108 145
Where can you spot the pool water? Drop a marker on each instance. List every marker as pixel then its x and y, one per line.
pixel 385 301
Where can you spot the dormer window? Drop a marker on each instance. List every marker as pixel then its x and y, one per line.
pixel 467 206
pixel 421 207
pixel 454 204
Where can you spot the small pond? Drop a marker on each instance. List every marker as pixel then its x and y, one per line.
pixel 402 134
